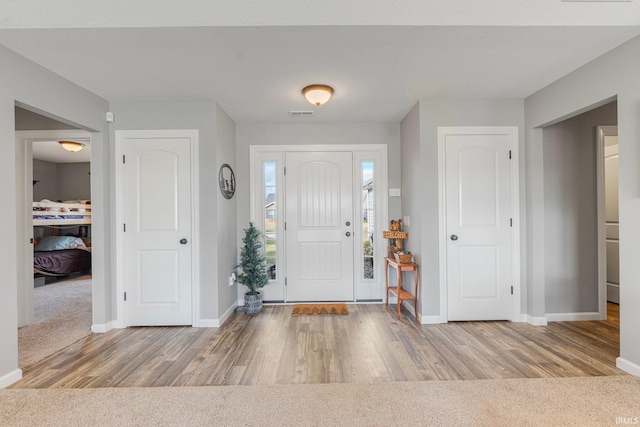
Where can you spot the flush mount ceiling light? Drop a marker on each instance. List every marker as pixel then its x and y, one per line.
pixel 317 94
pixel 71 146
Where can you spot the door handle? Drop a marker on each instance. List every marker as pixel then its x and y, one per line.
pixel 454 237
pixel 183 241
pixel 348 233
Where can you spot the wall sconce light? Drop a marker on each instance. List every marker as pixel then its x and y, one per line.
pixel 317 94
pixel 71 146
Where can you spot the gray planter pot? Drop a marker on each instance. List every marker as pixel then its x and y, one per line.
pixel 253 303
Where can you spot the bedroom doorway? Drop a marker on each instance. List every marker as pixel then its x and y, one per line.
pixel 54 296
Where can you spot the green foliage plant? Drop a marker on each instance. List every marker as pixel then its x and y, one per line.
pixel 252 261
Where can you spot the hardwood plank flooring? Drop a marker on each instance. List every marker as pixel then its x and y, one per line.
pixel 368 345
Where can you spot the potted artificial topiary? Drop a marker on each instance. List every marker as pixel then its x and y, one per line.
pixel 254 269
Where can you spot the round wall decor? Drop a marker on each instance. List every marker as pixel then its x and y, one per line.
pixel 227 181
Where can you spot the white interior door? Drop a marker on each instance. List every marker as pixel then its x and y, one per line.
pixel 157 231
pixel 478 217
pixel 612 218
pixel 319 226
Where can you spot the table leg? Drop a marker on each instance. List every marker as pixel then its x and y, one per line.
pixel 415 303
pixel 386 271
pixel 399 270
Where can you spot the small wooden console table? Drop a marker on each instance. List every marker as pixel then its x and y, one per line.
pixel 398 290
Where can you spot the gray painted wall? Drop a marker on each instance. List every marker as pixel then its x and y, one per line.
pixel 227 214
pixel 26 120
pixel 571 223
pixel 74 181
pixel 61 181
pixel 200 116
pixel 411 185
pixel 24 83
pixel 46 173
pixel 612 75
pixel 420 165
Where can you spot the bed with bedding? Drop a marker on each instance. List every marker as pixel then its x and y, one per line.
pixel 71 212
pixel 61 255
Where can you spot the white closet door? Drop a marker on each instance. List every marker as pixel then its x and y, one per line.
pixel 157 240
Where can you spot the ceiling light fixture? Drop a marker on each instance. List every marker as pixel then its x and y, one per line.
pixel 71 146
pixel 317 94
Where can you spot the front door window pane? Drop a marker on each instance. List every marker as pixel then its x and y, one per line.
pixel 368 220
pixel 270 217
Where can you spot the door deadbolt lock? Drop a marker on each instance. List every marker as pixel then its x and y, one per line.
pixel 347 223
pixel 183 241
pixel 454 237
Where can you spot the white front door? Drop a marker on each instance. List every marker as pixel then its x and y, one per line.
pixel 157 230
pixel 478 226
pixel 319 226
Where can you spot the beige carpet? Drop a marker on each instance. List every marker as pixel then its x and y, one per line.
pixel 62 316
pixel 593 401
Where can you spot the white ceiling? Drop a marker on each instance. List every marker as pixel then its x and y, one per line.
pixel 253 58
pixel 204 13
pixel 52 151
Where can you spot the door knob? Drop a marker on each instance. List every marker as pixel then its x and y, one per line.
pixel 454 237
pixel 183 241
pixel 348 233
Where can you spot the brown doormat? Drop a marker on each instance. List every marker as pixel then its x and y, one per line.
pixel 318 309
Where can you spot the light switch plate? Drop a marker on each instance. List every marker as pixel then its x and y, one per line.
pixel 395 192
pixel 406 221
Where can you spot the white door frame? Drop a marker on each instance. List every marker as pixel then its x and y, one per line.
pixel 360 154
pixel 602 131
pixel 121 317
pixel 512 132
pixel 24 199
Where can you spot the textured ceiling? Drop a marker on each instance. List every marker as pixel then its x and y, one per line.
pixel 175 13
pixel 253 58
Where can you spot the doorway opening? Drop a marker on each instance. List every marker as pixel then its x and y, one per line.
pixel 54 217
pixel 580 216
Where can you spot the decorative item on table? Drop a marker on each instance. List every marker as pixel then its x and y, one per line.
pixel 396 237
pixel 254 269
pixel 403 257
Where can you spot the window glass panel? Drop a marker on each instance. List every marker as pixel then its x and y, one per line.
pixel 368 220
pixel 270 217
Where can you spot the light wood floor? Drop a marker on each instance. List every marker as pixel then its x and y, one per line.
pixel 368 345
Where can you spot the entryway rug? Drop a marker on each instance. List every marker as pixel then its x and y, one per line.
pixel 318 309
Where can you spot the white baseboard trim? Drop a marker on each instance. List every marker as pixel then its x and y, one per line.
pixel 216 323
pixel 628 366
pixel 572 317
pixel 10 378
pixel 101 328
pixel 207 323
pixel 521 319
pixel 535 321
pixel 431 320
pixel 225 316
